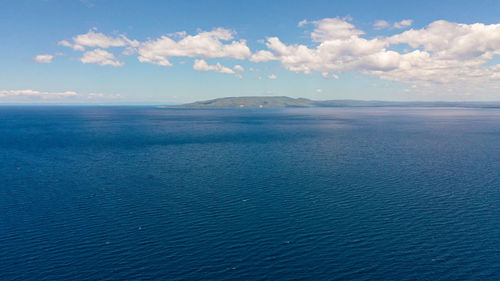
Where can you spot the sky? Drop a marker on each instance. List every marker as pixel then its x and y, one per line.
pixel 163 52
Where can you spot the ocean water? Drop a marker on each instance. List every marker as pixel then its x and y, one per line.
pixel 143 193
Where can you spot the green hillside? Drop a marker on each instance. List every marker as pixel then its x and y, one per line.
pixel 279 102
pixel 250 102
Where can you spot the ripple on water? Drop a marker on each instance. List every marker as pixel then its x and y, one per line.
pixel 319 194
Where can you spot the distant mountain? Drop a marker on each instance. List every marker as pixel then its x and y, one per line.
pixel 250 102
pixel 277 102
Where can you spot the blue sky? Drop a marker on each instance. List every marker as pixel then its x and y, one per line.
pixel 153 52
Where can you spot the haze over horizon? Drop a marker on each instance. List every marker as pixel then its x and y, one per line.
pixel 128 52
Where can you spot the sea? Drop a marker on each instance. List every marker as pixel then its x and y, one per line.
pixel 149 193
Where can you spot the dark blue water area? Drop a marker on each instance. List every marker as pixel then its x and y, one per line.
pixel 144 193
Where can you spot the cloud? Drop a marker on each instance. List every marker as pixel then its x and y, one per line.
pixel 36 94
pixel 96 39
pixel 332 55
pixel 44 58
pixel 441 53
pixel 327 75
pixel 100 57
pixel 66 43
pixel 448 40
pixel 30 96
pixel 403 24
pixel 448 52
pixel 333 29
pixel 95 95
pixel 319 91
pixel 217 43
pixel 263 56
pixel 103 96
pixel 302 23
pixel 381 24
pixel 208 44
pixel 202 65
pixel 272 76
pixel 238 68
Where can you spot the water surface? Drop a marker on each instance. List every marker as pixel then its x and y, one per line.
pixel 138 193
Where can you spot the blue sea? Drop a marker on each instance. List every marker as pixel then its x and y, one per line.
pixel 145 193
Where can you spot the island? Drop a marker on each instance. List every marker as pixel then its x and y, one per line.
pixel 283 102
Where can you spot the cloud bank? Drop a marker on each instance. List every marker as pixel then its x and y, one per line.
pixel 36 94
pixel 440 53
pixel 29 95
pixel 443 52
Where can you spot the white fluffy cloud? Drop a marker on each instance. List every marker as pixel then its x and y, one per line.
pixel 443 52
pixel 44 58
pixel 36 94
pixel 217 43
pixel 99 40
pixel 448 40
pixel 333 29
pixel 263 56
pixel 208 44
pixel 100 57
pixel 450 52
pixel 202 65
pixel 333 55
pixel 272 76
